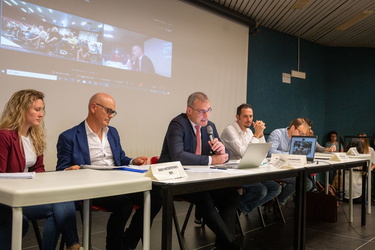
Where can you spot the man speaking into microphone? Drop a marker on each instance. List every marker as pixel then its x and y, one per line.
pixel 189 139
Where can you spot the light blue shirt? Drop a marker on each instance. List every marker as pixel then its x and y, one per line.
pixel 280 141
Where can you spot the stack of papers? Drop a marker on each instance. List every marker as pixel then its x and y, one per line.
pixel 23 175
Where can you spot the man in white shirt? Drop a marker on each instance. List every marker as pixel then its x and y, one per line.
pixel 236 137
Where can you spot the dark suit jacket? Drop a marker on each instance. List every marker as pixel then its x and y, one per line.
pixel 73 148
pixel 180 143
pixel 12 159
pixel 146 65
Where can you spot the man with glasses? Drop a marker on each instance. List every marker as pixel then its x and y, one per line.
pixel 94 142
pixel 280 139
pixel 188 141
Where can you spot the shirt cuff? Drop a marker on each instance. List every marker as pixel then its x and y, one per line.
pixel 209 160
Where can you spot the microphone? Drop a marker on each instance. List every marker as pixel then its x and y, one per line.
pixel 210 132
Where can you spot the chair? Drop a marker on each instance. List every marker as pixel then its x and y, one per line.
pixel 93 208
pixel 275 206
pixel 187 217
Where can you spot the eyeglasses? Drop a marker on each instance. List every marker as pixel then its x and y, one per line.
pixel 300 132
pixel 108 110
pixel 202 111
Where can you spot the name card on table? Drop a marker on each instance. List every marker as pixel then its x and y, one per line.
pixel 339 157
pixel 288 161
pixel 352 151
pixel 166 171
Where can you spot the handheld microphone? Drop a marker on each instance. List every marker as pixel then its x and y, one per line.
pixel 210 133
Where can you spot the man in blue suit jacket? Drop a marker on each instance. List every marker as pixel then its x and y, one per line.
pixel 93 142
pixel 217 207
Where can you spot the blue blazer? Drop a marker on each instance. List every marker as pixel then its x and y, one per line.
pixel 180 143
pixel 73 148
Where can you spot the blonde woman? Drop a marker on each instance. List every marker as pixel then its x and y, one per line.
pixel 22 143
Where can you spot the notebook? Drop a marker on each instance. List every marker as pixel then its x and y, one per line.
pixel 303 145
pixel 253 157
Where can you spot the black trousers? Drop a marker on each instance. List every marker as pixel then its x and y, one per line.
pixel 218 209
pixel 121 207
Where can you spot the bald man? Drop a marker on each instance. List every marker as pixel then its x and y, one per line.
pixel 94 142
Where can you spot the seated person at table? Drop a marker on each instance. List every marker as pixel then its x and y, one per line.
pixel 356 176
pixel 22 143
pixel 236 137
pixel 187 141
pixel 333 143
pixel 280 139
pixel 94 142
pixel 363 147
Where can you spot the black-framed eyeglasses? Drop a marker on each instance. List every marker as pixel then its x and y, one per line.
pixel 108 110
pixel 202 111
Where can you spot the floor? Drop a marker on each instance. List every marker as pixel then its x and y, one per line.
pixel 276 235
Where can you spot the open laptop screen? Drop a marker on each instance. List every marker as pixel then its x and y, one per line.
pixel 303 145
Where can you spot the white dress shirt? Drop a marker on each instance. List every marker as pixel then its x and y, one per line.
pixel 100 150
pixel 236 140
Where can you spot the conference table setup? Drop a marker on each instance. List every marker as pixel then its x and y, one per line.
pixel 86 184
pixel 203 178
pixel 62 186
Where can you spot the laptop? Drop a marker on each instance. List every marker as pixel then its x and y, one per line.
pixel 253 157
pixel 303 145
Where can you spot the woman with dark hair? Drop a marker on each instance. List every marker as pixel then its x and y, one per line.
pixel 22 143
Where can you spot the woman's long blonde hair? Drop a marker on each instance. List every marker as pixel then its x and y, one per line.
pixel 13 116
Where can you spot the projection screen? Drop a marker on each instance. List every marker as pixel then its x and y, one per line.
pixel 94 50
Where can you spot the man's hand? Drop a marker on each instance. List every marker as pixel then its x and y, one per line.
pixel 259 127
pixel 75 167
pixel 141 160
pixel 217 146
pixel 219 159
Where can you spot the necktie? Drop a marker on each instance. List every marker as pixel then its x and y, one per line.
pixel 198 137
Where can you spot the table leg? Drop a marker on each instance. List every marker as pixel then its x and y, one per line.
pixel 166 242
pixel 146 220
pixel 17 228
pixel 369 187
pixel 300 212
pixel 86 224
pixel 351 195
pixel 363 205
pixel 327 182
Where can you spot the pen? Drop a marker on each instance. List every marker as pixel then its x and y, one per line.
pixel 218 168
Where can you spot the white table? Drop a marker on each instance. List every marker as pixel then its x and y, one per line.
pixel 210 179
pixel 84 184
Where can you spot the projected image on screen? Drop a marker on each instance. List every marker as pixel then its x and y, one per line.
pixel 39 30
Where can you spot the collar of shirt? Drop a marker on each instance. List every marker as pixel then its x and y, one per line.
pixel 100 150
pixel 90 132
pixel 193 125
pixel 240 131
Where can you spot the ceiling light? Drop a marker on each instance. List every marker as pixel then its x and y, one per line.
pixel 355 19
pixel 300 4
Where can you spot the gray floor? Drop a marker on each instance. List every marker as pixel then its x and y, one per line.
pixel 276 235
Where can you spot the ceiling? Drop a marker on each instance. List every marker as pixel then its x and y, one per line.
pixel 316 21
